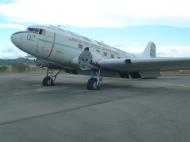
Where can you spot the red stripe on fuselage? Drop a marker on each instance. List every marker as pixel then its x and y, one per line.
pixel 53 45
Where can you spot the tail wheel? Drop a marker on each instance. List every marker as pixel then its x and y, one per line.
pixel 47 81
pixel 93 84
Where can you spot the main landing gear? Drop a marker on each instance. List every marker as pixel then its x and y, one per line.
pixel 86 64
pixel 50 77
pixel 95 82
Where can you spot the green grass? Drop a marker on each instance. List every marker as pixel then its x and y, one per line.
pixel 19 68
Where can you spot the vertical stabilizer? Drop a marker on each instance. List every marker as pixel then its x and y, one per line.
pixel 150 50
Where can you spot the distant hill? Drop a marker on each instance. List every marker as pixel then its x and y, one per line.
pixel 4 62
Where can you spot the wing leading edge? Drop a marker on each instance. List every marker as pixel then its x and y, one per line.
pixel 150 64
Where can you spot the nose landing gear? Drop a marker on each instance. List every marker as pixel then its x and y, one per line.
pixel 48 81
pixel 50 77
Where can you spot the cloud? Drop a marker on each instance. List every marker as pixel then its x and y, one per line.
pixel 13 26
pixel 10 52
pixel 99 13
pixel 162 50
pixel 173 51
pixel 6 1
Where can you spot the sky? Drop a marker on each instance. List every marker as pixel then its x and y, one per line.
pixel 125 24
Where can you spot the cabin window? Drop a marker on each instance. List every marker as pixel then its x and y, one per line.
pixel 97 50
pixel 105 54
pixel 118 57
pixel 112 56
pixel 80 46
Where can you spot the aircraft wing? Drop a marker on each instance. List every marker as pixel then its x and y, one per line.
pixel 149 64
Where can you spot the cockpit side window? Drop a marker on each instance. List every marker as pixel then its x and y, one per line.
pixel 42 32
pixel 36 30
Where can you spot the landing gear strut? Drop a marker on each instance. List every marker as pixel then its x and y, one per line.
pixel 86 64
pixel 50 77
pixel 94 83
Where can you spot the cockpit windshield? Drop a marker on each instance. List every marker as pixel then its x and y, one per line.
pixel 36 30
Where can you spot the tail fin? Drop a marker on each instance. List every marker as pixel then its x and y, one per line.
pixel 150 50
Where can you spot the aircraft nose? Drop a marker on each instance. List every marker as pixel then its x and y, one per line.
pixel 15 38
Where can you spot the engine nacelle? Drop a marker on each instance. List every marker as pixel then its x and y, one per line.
pixel 88 61
pixel 85 60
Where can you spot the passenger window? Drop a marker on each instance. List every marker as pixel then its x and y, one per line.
pixel 97 50
pixel 105 54
pixel 112 56
pixel 80 46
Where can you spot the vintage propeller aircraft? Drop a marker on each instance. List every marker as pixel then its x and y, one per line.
pixel 60 49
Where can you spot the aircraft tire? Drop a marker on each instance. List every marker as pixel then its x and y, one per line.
pixel 92 84
pixel 47 81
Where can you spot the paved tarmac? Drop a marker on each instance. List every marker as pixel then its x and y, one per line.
pixel 155 110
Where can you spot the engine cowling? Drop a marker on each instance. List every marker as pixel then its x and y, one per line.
pixel 85 59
